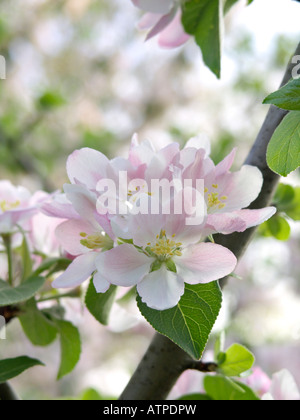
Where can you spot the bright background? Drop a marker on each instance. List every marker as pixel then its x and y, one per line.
pixel 79 74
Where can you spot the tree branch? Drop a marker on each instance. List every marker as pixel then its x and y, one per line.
pixel 164 362
pixel 7 393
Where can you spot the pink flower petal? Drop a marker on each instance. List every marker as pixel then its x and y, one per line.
pixel 87 166
pixel 148 21
pixel 204 263
pixel 284 387
pixel 68 235
pixel 59 206
pixel 237 221
pixel 226 163
pixel 173 35
pixel 123 265
pixel 161 289
pixel 83 201
pixel 77 272
pixel 241 187
pixel 161 24
pixel 100 283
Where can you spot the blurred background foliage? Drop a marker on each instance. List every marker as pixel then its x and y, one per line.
pixel 80 75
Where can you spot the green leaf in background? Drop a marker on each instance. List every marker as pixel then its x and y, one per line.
pixel 39 329
pixel 100 304
pixel 91 394
pixel 195 397
pixel 204 19
pixel 283 155
pixel 228 5
pixel 292 208
pixel 26 259
pixel 70 346
pixel 238 360
pixel 284 196
pixel 288 97
pixel 188 324
pixel 50 100
pixel 220 388
pixel 52 265
pixel 10 368
pixel 21 293
pixel 279 227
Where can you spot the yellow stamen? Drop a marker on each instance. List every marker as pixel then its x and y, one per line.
pixel 96 241
pixel 5 206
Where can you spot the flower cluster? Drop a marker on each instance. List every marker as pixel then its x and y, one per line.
pixel 21 219
pixel 157 251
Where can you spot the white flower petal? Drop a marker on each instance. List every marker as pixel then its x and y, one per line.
pixel 161 289
pixel 77 272
pixel 100 283
pixel 204 263
pixel 123 265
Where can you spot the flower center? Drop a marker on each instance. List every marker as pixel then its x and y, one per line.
pixel 97 241
pixel 5 206
pixel 214 199
pixel 165 248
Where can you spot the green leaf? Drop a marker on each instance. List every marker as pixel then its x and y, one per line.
pixel 188 324
pixel 283 155
pixel 279 227
pixel 219 345
pixel 293 208
pixel 10 368
pixel 238 360
pixel 100 304
pixel 26 290
pixel 204 19
pixel 195 397
pixel 288 97
pixel 220 388
pixel 91 394
pixel 50 100
pixel 228 5
pixel 36 325
pixel 26 259
pixel 284 196
pixel 55 264
pixel 70 346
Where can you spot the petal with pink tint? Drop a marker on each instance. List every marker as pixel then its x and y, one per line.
pixel 162 24
pixel 148 21
pixel 83 201
pixel 100 283
pixel 204 263
pixel 173 35
pixel 161 289
pixel 59 206
pixel 283 388
pixel 68 235
pixel 87 166
pixel 237 221
pixel 226 163
pixel 77 272
pixel 241 188
pixel 123 265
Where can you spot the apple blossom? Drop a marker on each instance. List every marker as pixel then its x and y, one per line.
pixel 227 194
pixel 163 18
pixel 258 381
pixel 80 235
pixel 16 205
pixel 163 256
pixel 283 388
